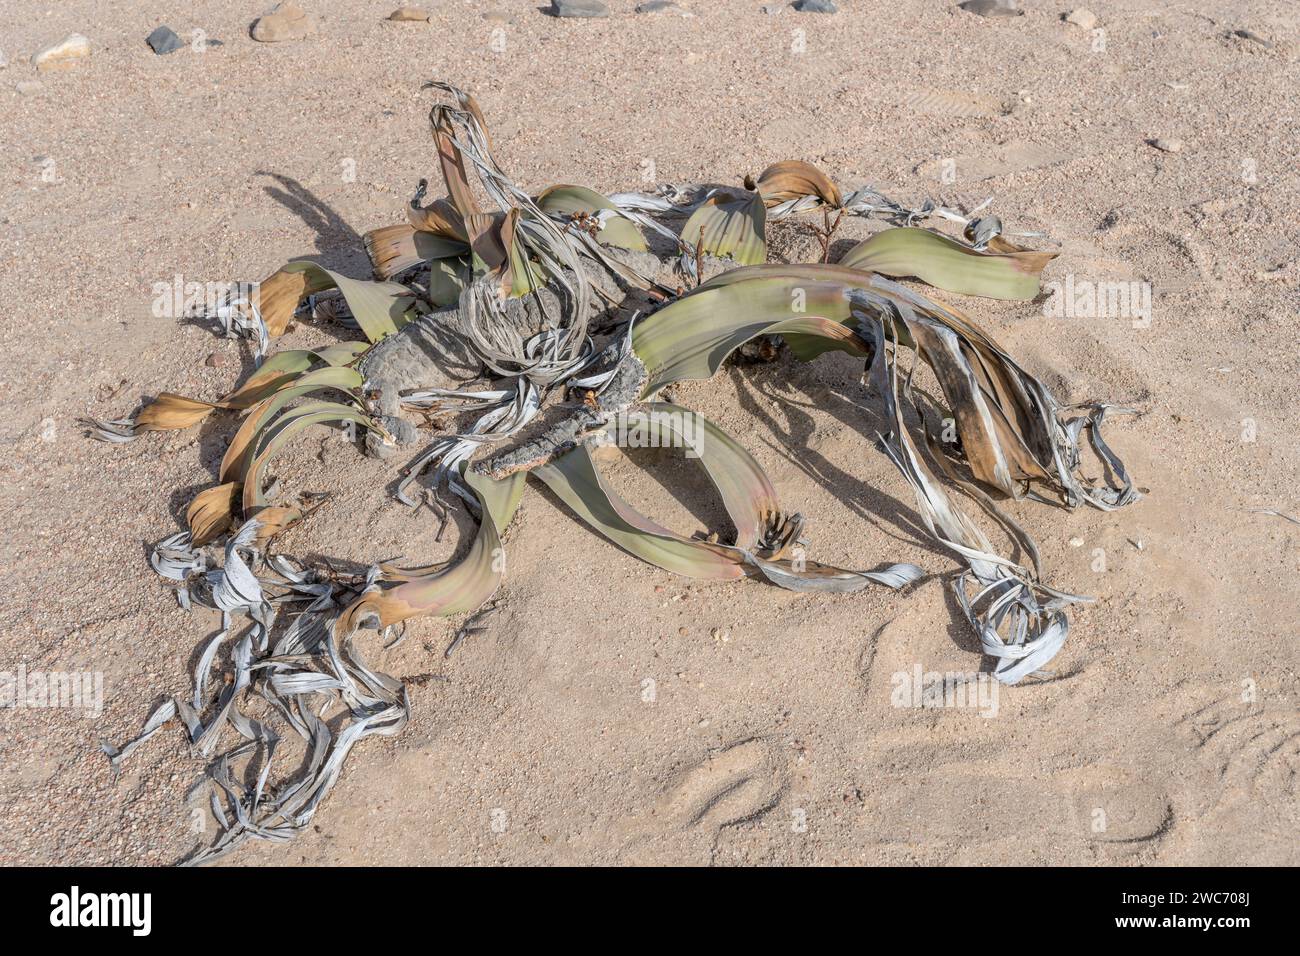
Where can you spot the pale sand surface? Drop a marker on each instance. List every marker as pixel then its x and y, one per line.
pixel 779 744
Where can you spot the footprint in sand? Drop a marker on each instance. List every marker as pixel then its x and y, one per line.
pixel 1115 806
pixel 729 786
pixel 952 784
pixel 1252 749
pixel 1245 756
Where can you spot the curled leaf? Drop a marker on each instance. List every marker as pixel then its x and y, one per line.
pixel 457 589
pixel 948 264
pixel 793 180
pixel 339 378
pixel 439 219
pixel 210 513
pixel 279 295
pixel 394 249
pixel 573 479
pixel 284 428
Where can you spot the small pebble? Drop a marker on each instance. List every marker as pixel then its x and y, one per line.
pixel 63 54
pixel 4 60
pixel 683 631
pixel 214 360
pixel 655 6
pixel 772 9
pixel 578 9
pixel 409 15
pixel 992 8
pixel 816 6
pixel 164 40
pixel 1082 18
pixel 30 87
pixel 1076 542
pixel 1167 145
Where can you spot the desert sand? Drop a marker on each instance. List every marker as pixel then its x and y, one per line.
pixel 770 736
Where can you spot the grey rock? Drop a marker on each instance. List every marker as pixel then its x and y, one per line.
pixel 404 435
pixel 427 353
pixel 4 60
pixel 992 8
pixel 1167 145
pixel 164 40
pixel 816 6
pixel 584 9
pixel 30 87
pixel 656 6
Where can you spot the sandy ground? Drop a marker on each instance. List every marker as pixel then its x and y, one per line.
pixel 1172 733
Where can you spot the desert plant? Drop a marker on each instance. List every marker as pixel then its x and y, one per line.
pixel 508 312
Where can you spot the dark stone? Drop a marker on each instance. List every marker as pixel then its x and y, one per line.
pixel 992 8
pixel 1253 37
pixel 587 9
pixel 164 40
pixel 655 6
pixel 816 6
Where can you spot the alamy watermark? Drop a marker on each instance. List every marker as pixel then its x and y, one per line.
pixel 31 690
pixel 178 298
pixel 655 429
pixel 130 910
pixel 953 689
pixel 1104 299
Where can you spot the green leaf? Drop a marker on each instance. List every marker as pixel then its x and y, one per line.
pixel 746 491
pixel 617 229
pixel 285 427
pixel 430 246
pixel 460 588
pixel 948 264
pixel 340 378
pixel 729 227
pixel 750 500
pixel 690 338
pixel 447 279
pixel 574 480
pixel 380 308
